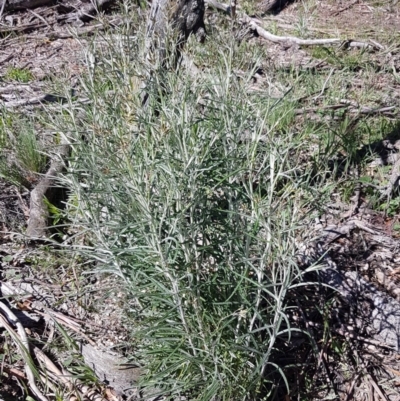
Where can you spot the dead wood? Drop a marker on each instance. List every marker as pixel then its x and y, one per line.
pixel 85 11
pixel 11 5
pixel 394 180
pixel 186 18
pixel 254 24
pixel 26 318
pixel 38 221
pixel 46 98
pixel 22 344
pixel 22 28
pixel 111 369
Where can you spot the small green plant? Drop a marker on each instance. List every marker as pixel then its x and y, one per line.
pixel 55 213
pixel 29 151
pixel 22 75
pixel 392 207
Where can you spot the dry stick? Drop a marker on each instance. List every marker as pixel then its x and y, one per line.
pixel 233 8
pixel 39 16
pixel 253 23
pixel 51 367
pixel 376 387
pixel 351 109
pixel 345 8
pixel 81 391
pixel 371 379
pixel 5 59
pixel 64 321
pixel 324 86
pixel 302 42
pixel 23 28
pixel 28 102
pixel 314 343
pixel 2 9
pixel 14 372
pixel 22 344
pixel 393 183
pixel 353 383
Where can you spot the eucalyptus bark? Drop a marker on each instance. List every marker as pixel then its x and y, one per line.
pixel 185 17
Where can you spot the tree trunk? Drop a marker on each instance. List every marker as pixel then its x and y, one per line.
pixel 185 17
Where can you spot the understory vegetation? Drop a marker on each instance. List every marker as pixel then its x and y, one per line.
pixel 201 200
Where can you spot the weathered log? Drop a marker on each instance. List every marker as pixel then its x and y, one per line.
pixel 38 222
pixel 111 369
pixel 186 18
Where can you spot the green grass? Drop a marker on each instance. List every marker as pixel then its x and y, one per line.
pixel 22 155
pixel 22 75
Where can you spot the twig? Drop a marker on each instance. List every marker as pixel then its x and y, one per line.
pixel 324 86
pixel 353 383
pixel 5 59
pixel 33 100
pixel 79 32
pixel 51 367
pixel 376 387
pixel 302 42
pixel 22 28
pixel 254 24
pixel 2 9
pixel 38 16
pixel 351 108
pixel 321 359
pixel 233 9
pixel 345 8
pixel 65 321
pixel 23 344
pixel 393 183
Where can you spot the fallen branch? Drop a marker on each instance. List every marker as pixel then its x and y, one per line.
pixel 86 11
pixel 253 23
pixel 394 181
pixel 350 107
pixel 79 31
pixel 23 28
pixel 345 8
pixel 11 5
pixel 46 98
pixel 39 215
